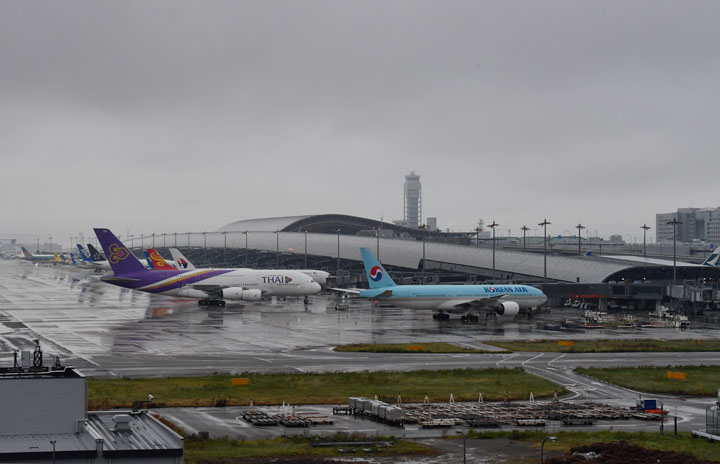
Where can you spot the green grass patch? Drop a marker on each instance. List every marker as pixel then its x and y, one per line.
pixel 321 388
pixel 681 443
pixel 433 347
pixel 610 346
pixel 225 450
pixel 701 380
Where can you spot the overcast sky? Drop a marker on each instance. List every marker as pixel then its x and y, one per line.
pixel 162 116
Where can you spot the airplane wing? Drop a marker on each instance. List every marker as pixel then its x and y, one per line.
pixel 353 291
pixel 484 301
pixel 111 279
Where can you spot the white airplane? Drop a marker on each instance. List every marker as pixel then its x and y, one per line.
pixel 318 276
pixel 210 286
pixel 31 257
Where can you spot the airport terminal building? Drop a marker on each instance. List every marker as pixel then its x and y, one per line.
pixel 332 242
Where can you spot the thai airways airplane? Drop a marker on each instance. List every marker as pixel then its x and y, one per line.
pixel 505 300
pixel 182 262
pixel 31 257
pixel 210 286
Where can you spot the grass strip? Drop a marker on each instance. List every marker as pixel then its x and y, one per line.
pixel 610 346
pixel 225 450
pixel 701 380
pixel 321 388
pixel 680 443
pixel 433 347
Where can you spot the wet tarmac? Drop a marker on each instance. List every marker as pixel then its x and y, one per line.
pixel 107 331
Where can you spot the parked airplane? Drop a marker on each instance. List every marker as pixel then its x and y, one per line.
pixel 210 286
pixel 318 276
pixel 181 261
pixel 505 300
pixel 714 258
pixel 157 262
pixel 94 254
pixel 31 257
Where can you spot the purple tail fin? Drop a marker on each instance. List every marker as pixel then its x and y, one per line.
pixel 120 259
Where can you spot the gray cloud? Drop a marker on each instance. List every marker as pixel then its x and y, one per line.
pixel 162 116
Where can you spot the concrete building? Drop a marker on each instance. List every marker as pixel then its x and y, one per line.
pixel 698 224
pixel 45 418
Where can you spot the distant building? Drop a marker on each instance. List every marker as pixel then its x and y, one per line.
pixel 698 224
pixel 432 224
pixel 412 200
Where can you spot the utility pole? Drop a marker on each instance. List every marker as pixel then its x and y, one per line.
pixel 246 248
pixel 645 228
pixel 306 249
pixel 545 223
pixel 493 225
pixel 579 227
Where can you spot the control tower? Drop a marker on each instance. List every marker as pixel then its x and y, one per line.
pixel 413 200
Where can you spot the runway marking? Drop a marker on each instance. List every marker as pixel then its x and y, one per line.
pixel 528 360
pixel 507 358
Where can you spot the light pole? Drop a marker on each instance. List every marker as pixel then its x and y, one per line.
pixel 337 274
pixel 38 245
pixel 545 223
pixel 51 245
pixel 461 433
pixel 493 225
pixel 305 249
pixel 674 223
pixel 188 234
pixel 378 243
pixel 175 239
pixel 153 239
pixel 277 248
pixel 425 227
pixel 246 248
pixel 542 447
pixel 52 442
pixel 645 228
pixel 164 240
pixel 579 227
pixel 225 248
pixel 524 229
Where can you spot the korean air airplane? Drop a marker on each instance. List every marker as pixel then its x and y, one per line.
pixel 505 300
pixel 210 286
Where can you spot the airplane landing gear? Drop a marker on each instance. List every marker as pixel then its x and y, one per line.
pixel 441 316
pixel 306 301
pixel 469 318
pixel 212 302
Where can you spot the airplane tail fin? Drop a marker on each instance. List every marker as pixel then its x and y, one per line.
pixel 94 254
pixel 714 258
pixel 57 258
pixel 376 274
pixel 158 262
pixel 181 260
pixel 120 259
pixel 148 260
pixel 26 253
pixel 72 258
pixel 84 254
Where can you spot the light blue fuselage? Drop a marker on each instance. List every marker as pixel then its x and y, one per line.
pixel 448 297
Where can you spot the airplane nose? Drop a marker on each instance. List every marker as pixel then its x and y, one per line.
pixel 315 287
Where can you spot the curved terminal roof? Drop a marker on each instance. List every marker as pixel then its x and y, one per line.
pixel 327 224
pixel 404 248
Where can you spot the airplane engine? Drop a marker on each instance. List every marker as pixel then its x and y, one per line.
pixel 238 293
pixel 508 308
pixel 252 295
pixel 192 293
